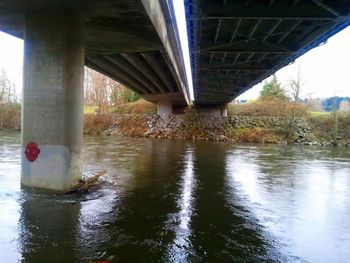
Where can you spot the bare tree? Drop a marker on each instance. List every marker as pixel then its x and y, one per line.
pixel 103 92
pixel 296 108
pixel 99 89
pixel 7 88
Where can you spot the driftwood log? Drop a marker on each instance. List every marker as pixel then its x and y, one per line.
pixel 84 185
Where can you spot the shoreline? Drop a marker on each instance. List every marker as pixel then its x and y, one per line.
pixel 194 127
pixel 236 129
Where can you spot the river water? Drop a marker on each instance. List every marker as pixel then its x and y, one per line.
pixel 176 201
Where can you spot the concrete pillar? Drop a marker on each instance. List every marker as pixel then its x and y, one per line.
pixel 52 109
pixel 165 108
pixel 212 111
pixel 209 111
pixel 224 111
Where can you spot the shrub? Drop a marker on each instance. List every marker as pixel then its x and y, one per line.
pixel 191 118
pixel 268 106
pixel 132 126
pixel 324 125
pixel 140 106
pixel 10 116
pixel 255 135
pixel 97 123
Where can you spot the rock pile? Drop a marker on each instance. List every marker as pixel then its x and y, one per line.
pixel 215 128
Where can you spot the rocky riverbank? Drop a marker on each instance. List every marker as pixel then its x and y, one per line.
pixel 241 129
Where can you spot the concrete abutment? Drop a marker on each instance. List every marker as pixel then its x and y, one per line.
pixel 165 108
pixel 52 111
pixel 212 110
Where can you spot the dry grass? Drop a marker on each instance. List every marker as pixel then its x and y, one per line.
pixel 270 106
pixel 133 126
pixel 140 106
pixel 96 124
pixel 255 135
pixel 10 116
pixel 325 125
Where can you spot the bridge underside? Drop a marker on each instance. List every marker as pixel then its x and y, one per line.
pixel 132 41
pixel 120 42
pixel 236 44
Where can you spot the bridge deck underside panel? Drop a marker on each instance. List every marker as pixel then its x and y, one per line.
pixel 236 44
pixel 120 40
pixel 145 72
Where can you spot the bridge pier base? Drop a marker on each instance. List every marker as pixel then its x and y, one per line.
pixel 224 111
pixel 52 107
pixel 213 111
pixel 165 108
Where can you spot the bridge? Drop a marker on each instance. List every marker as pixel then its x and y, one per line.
pixel 233 45
pixel 132 41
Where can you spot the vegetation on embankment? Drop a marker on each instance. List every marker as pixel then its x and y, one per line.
pixel 10 116
pixel 129 117
pixel 237 128
pixel 277 116
pixel 266 121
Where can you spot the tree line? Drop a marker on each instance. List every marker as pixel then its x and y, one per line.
pixel 293 91
pixel 99 90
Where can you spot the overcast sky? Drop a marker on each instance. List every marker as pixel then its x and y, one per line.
pixel 325 70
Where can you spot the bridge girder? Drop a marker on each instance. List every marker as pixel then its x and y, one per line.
pixel 243 42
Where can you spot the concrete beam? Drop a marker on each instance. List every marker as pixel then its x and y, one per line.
pixel 162 17
pixel 138 62
pixel 120 62
pixel 107 68
pixel 175 98
pixel 53 97
pixel 153 62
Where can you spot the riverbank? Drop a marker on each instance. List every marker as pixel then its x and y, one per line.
pixel 237 128
pixel 322 129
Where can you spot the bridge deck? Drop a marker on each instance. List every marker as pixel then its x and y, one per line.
pixel 121 41
pixel 235 44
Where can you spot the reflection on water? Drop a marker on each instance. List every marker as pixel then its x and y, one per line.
pixel 303 202
pixel 182 247
pixel 173 201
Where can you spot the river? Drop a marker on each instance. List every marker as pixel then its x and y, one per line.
pixel 178 201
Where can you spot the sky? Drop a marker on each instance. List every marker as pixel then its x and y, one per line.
pixel 325 70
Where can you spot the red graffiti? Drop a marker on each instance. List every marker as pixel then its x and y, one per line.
pixel 32 151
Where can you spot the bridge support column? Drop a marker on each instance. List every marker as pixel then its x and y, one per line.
pixel 224 111
pixel 52 109
pixel 213 111
pixel 165 108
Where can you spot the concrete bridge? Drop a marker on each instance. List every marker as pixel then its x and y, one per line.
pixel 234 44
pixel 132 41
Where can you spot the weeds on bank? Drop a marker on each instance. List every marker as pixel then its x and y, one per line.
pixel 330 127
pixel 255 135
pixel 269 106
pixel 138 107
pixel 133 126
pixel 96 124
pixel 10 116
